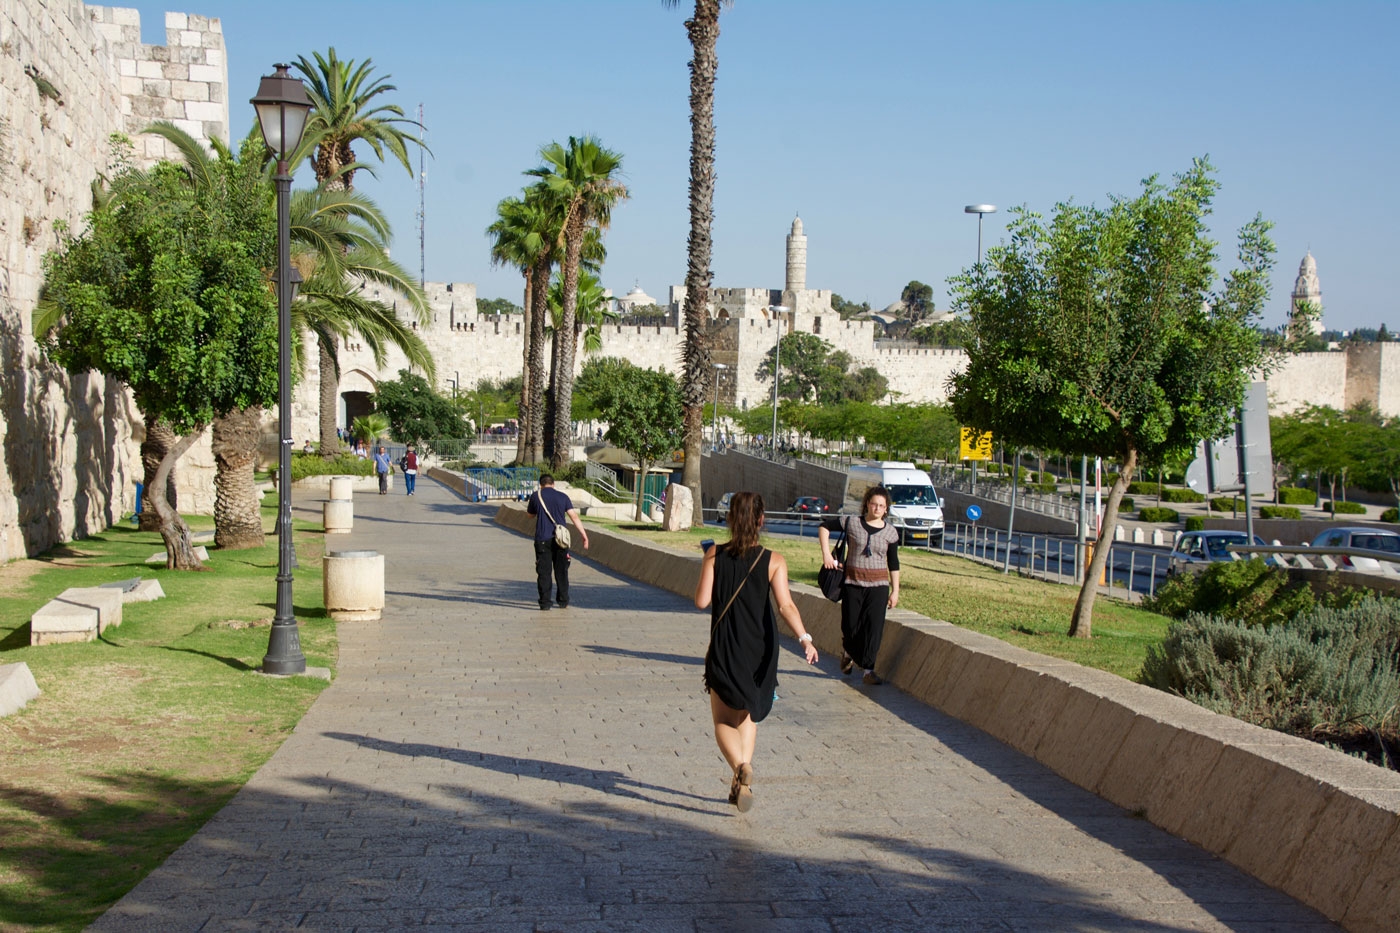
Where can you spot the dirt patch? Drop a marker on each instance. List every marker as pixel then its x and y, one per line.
pixel 16 573
pixel 241 623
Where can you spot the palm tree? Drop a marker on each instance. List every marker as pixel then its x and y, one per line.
pixel 521 237
pixel 341 97
pixel 703 29
pixel 344 110
pixel 580 183
pixel 592 313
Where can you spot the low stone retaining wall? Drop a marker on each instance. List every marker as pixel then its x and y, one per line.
pixel 1319 825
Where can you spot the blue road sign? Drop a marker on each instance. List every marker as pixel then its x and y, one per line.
pixel 974 512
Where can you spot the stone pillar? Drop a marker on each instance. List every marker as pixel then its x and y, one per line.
pixel 343 487
pixel 339 516
pixel 354 585
pixel 796 258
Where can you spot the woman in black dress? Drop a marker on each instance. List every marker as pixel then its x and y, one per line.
pixel 741 666
pixel 872 579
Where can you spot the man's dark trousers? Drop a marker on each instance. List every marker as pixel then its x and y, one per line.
pixel 551 558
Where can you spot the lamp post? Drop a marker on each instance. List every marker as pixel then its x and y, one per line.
pixel 282 107
pixel 979 210
pixel 774 311
pixel 714 414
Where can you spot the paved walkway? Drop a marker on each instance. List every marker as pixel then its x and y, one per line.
pixel 481 765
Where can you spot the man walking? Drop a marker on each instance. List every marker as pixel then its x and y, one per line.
pixel 381 467
pixel 550 508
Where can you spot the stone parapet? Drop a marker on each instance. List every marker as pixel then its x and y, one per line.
pixel 1317 824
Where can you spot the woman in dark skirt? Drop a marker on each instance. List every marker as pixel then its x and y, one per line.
pixel 741 665
pixel 872 579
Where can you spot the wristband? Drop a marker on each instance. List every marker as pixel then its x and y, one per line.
pixel 805 636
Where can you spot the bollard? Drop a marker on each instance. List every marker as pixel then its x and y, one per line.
pixel 342 487
pixel 339 516
pixel 354 585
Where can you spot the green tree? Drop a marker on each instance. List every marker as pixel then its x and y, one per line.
pixel 593 311
pixel 497 306
pixel 164 294
pixel 918 300
pixel 1099 333
pixel 643 411
pixel 812 371
pixel 951 333
pixel 416 413
pixel 848 309
pixel 581 182
pixel 370 428
pixel 345 109
pixel 594 384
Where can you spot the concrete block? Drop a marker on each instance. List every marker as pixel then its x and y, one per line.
pixel 342 487
pixel 146 591
pixel 1377 900
pixel 1338 856
pixel 338 516
pixel 56 622
pixel 353 585
pixel 17 687
pixel 107 602
pixel 159 557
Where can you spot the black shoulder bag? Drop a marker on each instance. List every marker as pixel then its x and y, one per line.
pixel 832 579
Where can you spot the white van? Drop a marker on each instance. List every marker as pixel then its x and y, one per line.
pixel 915 508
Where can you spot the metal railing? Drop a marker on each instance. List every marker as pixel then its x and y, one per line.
pixel 484 483
pixel 605 478
pixel 1054 505
pixel 1320 558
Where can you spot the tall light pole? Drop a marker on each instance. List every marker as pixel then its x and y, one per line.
pixel 979 210
pixel 714 415
pixel 773 312
pixel 282 107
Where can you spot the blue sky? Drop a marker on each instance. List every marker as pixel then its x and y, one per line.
pixel 877 122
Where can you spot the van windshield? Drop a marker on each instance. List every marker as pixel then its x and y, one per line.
pixel 912 495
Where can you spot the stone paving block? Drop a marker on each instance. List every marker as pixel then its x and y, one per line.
pixel 17 687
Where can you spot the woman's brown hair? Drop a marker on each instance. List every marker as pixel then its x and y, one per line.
pixel 871 493
pixel 745 519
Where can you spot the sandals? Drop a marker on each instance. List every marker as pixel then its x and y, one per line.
pixel 847 663
pixel 740 791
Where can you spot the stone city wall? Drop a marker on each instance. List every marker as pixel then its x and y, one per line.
pixel 70 76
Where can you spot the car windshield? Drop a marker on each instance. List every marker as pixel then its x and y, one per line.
pixel 912 495
pixel 1388 543
pixel 1217 544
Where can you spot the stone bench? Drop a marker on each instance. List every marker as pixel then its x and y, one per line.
pixel 76 614
pixel 17 687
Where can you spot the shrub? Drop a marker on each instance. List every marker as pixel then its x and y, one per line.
pixel 1344 508
pixel 1144 489
pixel 1279 511
pixel 1182 495
pixel 1232 504
pixel 1125 505
pixel 1158 515
pixel 304 465
pixel 1390 515
pixel 1324 671
pixel 1292 495
pixel 1195 523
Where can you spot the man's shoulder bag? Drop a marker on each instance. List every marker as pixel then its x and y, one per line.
pixel 562 537
pixel 831 579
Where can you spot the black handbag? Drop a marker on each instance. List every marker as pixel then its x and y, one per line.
pixel 833 579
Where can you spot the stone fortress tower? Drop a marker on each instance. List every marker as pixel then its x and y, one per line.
pixel 796 279
pixel 1307 289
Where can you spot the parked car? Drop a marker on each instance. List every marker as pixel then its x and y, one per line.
pixel 723 506
pixel 1196 549
pixel 1367 539
pixel 810 505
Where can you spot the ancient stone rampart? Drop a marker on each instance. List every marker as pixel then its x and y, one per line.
pixel 71 75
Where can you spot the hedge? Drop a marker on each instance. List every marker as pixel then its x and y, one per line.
pixel 1390 515
pixel 1279 511
pixel 1182 495
pixel 1195 523
pixel 1145 489
pixel 1158 515
pixel 1293 495
pixel 1233 504
pixel 1344 508
pixel 304 465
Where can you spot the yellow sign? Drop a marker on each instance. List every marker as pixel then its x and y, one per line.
pixel 974 446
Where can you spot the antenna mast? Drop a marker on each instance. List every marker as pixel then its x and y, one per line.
pixel 422 210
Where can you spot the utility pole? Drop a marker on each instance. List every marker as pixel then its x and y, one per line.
pixel 422 206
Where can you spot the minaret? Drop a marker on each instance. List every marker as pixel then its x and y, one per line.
pixel 1307 289
pixel 796 258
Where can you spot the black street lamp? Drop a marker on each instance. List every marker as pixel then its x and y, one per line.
pixel 282 107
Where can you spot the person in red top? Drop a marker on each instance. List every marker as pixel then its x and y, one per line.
pixel 410 469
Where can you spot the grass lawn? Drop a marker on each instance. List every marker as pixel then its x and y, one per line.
pixel 139 737
pixel 1030 613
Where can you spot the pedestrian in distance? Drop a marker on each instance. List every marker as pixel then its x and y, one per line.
pixel 382 467
pixel 871 583
pixel 409 464
pixel 741 664
pixel 551 507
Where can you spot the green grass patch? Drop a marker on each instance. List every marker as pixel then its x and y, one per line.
pixel 1030 613
pixel 139 737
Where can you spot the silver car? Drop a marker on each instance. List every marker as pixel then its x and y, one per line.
pixel 1195 550
pixel 1367 539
